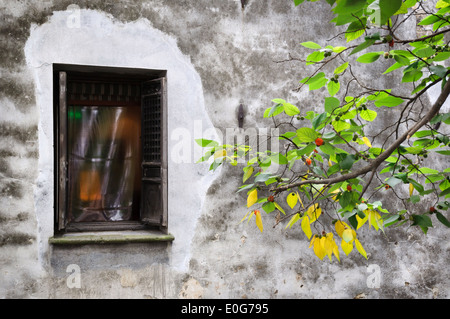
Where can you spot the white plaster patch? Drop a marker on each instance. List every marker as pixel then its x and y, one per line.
pixel 98 39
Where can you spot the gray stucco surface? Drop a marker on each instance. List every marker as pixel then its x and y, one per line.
pixel 217 55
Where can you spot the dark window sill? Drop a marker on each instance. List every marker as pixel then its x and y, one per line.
pixel 123 237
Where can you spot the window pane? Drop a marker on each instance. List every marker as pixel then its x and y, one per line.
pixel 104 170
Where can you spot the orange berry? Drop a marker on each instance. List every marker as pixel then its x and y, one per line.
pixel 308 161
pixel 319 141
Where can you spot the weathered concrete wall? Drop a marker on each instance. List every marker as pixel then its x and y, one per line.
pixel 217 55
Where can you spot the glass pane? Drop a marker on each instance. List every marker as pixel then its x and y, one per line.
pixel 104 163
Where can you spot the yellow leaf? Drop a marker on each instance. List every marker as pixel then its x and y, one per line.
pixel 246 215
pixel 300 200
pixel 314 212
pixel 252 197
pixel 347 235
pixel 346 247
pixel 318 248
pixel 367 142
pixel 375 220
pixel 259 220
pixel 362 221
pixel 306 227
pixel 220 153
pixel 312 241
pixel 335 192
pixel 279 208
pixel 292 199
pixel 329 245
pixel 247 174
pixel 340 226
pixel 411 189
pixel 336 251
pixel 442 4
pixel 293 220
pixel 360 248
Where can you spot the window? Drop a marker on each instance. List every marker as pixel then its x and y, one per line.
pixel 110 148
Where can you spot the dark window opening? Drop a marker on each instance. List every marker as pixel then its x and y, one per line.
pixel 110 148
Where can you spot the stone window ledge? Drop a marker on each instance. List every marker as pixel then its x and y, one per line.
pixel 104 237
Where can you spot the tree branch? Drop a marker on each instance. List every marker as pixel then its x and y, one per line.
pixel 383 156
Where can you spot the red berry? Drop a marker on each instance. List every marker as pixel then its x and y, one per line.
pixel 308 161
pixel 319 141
pixel 256 212
pixel 270 198
pixel 316 151
pixel 349 187
pixel 432 209
pixel 387 186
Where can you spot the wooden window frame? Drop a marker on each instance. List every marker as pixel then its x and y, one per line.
pixel 62 73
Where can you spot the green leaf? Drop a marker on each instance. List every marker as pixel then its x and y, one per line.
pixel 444 152
pixel 340 125
pixel 333 169
pixel 347 162
pixel 392 181
pixel 368 115
pixel 416 185
pixel 445 192
pixel 327 148
pixel 369 57
pixel 402 60
pixel 315 82
pixel 393 67
pixel 363 46
pixel 268 207
pixel 311 45
pixel 262 177
pixel 206 143
pixel 290 109
pixel 412 76
pixel 318 120
pixel 279 159
pixel 341 68
pixel 442 4
pixel 307 135
pixel 439 70
pixel 306 150
pixel 314 57
pixel 430 20
pixel 425 52
pixel 387 100
pixel 442 219
pixel 388 8
pixel 441 56
pixel 297 2
pixel 422 221
pixel 349 6
pixel 333 88
pixel 248 171
pixel 274 111
pixel 331 103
